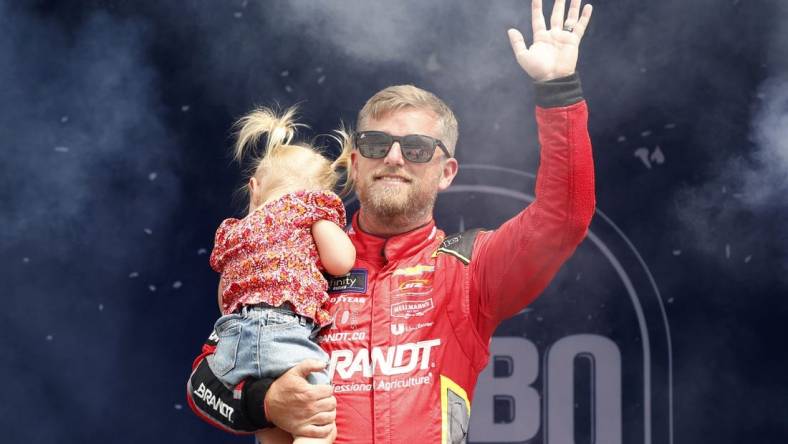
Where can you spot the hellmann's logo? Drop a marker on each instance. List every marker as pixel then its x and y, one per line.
pixel 394 360
pixel 408 309
pixel 214 402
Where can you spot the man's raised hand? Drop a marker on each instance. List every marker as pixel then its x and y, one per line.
pixel 554 51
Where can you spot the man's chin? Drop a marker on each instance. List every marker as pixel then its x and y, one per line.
pixel 388 208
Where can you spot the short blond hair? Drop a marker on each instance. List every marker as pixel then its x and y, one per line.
pixel 287 162
pixel 399 97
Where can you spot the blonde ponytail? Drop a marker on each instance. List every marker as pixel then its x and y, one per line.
pixel 280 131
pixel 284 162
pixel 344 137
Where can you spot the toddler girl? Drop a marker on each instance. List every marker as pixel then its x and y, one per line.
pixel 271 291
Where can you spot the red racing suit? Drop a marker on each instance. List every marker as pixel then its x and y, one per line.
pixel 414 318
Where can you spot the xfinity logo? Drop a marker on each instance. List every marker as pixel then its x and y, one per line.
pixel 214 402
pixel 396 360
pixel 353 282
pixel 343 282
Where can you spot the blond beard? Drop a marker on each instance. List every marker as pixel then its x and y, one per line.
pixel 392 204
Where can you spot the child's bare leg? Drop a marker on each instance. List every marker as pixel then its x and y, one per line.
pixel 273 435
pixel 328 440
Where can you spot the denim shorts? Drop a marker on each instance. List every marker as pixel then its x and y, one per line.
pixel 264 342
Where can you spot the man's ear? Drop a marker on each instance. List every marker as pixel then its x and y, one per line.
pixel 353 166
pixel 450 169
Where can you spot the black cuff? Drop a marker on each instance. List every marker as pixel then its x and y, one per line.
pixel 254 395
pixel 554 93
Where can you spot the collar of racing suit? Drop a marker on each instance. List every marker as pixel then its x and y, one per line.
pixel 378 249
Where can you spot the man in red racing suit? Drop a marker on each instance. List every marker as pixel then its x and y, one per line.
pixel 414 318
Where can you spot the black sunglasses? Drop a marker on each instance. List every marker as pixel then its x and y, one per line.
pixel 415 147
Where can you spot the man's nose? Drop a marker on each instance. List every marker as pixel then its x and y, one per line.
pixel 394 156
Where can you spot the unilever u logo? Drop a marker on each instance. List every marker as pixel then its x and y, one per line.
pixel 590 360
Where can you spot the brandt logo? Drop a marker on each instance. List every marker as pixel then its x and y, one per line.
pixel 396 360
pixel 214 402
pixel 343 336
pixel 409 309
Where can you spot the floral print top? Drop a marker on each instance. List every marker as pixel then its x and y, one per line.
pixel 270 256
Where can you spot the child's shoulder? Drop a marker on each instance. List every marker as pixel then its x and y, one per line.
pixel 226 226
pixel 317 197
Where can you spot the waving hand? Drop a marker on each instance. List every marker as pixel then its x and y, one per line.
pixel 554 51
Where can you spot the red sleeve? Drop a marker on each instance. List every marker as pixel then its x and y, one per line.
pixel 513 264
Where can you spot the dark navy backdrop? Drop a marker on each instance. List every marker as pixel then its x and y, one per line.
pixel 114 127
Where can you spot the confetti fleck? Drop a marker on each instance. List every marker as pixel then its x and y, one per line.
pixel 50 337
pixel 152 176
pixel 133 275
pixel 643 69
pixel 621 139
pixel 319 69
pixel 178 407
pixel 177 284
pixel 747 259
pixel 321 79
pixel 288 88
pixel 577 278
pixel 657 156
pixel 676 252
pixel 642 154
pixel 101 307
pixel 589 317
pixel 26 260
pixel 185 108
pixel 670 300
pixel 284 73
pixel 64 119
pixel 727 251
pixel 148 231
pixel 152 287
pixel 61 149
pixel 238 14
pixel 670 125
pixel 645 133
pixel 724 189
pixel 202 251
pixel 539 319
pixel 432 63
